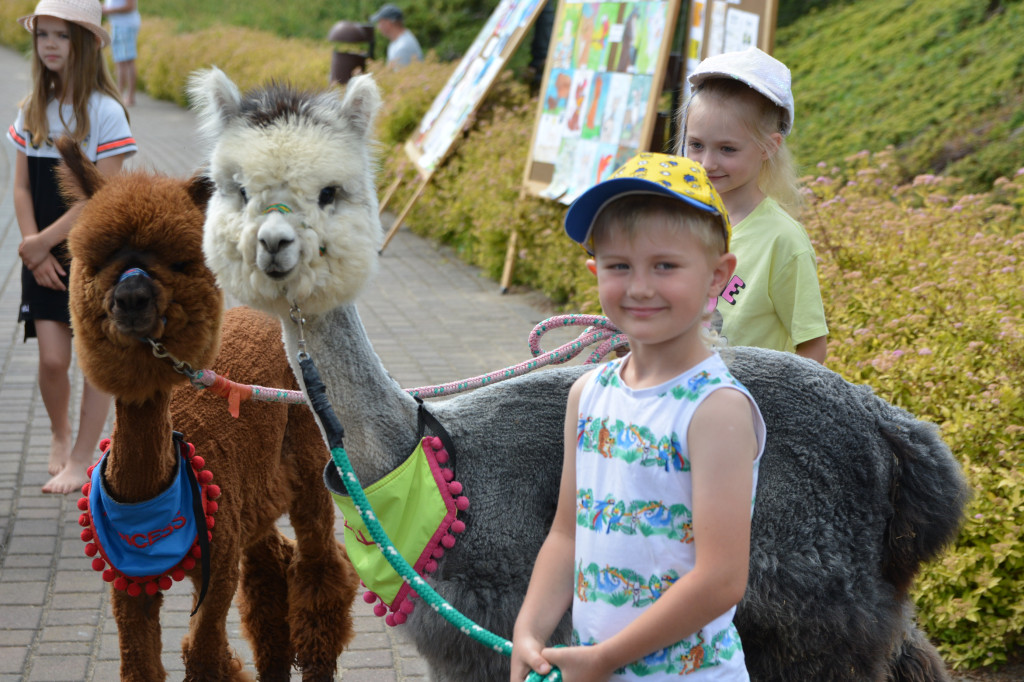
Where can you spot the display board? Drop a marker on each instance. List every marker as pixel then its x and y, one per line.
pixel 599 94
pixel 718 26
pixel 470 82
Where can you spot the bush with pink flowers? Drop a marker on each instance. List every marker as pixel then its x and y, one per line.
pixel 924 294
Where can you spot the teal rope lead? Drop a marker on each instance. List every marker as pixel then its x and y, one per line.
pixel 335 438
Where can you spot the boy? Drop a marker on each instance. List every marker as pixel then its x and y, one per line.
pixel 651 537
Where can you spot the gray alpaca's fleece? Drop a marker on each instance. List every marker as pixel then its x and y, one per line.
pixel 826 598
pixel 853 493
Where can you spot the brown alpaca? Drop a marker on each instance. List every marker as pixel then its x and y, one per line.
pixel 294 597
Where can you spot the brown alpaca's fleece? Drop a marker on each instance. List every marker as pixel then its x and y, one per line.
pixel 262 483
pixel 295 597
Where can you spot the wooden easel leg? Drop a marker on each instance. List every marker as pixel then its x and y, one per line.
pixel 405 211
pixel 392 188
pixel 510 258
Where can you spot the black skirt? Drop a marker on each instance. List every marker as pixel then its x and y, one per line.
pixel 39 302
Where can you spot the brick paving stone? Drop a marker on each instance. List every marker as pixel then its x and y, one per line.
pixel 30 593
pixel 58 668
pixel 12 659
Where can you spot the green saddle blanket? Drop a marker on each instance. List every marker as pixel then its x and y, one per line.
pixel 417 504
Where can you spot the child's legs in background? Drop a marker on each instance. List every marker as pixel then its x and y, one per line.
pixel 126 80
pixel 92 418
pixel 55 387
pixel 93 413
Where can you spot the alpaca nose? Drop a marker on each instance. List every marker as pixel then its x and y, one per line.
pixel 133 292
pixel 276 234
pixel 275 242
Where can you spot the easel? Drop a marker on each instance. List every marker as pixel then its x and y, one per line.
pixel 455 107
pixel 424 180
pixel 540 174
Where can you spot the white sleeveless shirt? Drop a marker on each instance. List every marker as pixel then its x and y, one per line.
pixel 634 534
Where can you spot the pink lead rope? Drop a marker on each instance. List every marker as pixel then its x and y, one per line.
pixel 598 329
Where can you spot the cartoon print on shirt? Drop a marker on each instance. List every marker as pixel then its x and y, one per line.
pixel 620 587
pixel 643 517
pixel 729 294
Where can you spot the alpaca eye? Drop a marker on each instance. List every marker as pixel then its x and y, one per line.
pixel 245 197
pixel 180 266
pixel 328 195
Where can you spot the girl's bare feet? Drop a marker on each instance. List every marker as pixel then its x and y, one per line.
pixel 60 452
pixel 70 480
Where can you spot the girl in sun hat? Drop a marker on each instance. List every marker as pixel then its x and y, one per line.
pixel 72 94
pixel 650 542
pixel 735 124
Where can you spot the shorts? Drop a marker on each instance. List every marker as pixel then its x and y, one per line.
pixel 123 42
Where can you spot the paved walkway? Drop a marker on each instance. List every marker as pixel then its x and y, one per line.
pixel 432 320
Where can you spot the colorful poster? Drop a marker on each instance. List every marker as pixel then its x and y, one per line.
pixel 598 96
pixel 470 82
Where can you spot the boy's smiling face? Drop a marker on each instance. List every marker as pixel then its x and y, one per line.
pixel 656 283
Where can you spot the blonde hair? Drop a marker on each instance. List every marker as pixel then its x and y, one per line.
pixel 630 215
pixel 86 72
pixel 762 118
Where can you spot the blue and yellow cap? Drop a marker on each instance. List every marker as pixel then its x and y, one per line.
pixel 647 173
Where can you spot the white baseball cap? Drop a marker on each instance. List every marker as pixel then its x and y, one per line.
pixel 757 69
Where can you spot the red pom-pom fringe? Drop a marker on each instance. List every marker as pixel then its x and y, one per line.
pixel 132 586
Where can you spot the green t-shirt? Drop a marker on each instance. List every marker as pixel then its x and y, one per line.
pixel 773 300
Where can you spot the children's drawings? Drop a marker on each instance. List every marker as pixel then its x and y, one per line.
pixel 598 96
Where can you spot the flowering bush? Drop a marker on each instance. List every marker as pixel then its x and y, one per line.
pixel 923 294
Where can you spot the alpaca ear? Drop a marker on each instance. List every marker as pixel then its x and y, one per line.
pixel 361 102
pixel 200 189
pixel 215 98
pixel 77 177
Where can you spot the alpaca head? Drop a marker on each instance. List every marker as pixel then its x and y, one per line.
pixel 293 217
pixel 138 223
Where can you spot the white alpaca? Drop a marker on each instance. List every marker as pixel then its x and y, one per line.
pixel 854 494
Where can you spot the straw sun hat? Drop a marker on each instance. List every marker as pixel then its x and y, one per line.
pixel 86 13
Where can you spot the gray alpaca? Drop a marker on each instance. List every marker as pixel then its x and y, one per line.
pixel 854 494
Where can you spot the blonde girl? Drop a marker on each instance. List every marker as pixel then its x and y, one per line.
pixel 72 94
pixel 735 124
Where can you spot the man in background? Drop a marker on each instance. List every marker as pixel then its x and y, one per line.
pixel 402 44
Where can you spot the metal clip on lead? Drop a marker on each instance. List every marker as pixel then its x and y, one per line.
pixel 296 315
